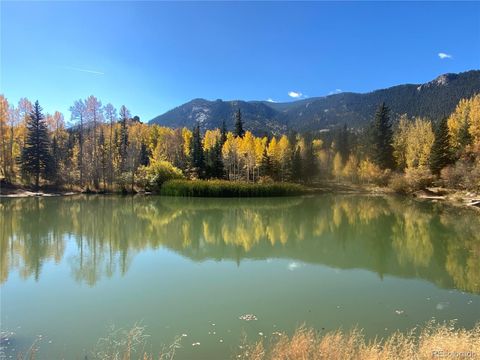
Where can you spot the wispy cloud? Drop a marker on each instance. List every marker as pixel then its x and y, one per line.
pixel 443 55
pixel 336 91
pixel 271 100
pixel 84 70
pixel 295 94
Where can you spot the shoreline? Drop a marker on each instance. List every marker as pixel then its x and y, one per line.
pixel 453 197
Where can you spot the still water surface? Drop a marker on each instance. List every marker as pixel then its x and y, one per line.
pixel 71 267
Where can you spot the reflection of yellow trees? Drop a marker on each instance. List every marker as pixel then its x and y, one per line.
pixel 411 237
pixel 26 239
pixel 355 210
pixel 463 257
pixel 383 234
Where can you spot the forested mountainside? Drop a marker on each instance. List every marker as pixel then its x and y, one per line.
pixel 434 100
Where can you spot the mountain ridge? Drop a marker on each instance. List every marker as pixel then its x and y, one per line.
pixel 433 99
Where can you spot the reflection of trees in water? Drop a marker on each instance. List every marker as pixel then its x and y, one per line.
pixel 411 238
pixel 27 239
pixel 463 249
pixel 387 235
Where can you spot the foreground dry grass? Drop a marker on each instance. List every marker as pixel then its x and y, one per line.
pixel 432 342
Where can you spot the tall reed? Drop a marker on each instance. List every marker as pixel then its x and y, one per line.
pixel 223 188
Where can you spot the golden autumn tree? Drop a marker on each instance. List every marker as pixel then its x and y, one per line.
pixel 4 131
pixel 210 139
pixel 419 144
pixel 464 123
pixel 230 156
pixel 412 143
pixel 247 154
pixel 337 165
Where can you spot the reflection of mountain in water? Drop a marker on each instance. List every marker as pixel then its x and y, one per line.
pixel 391 236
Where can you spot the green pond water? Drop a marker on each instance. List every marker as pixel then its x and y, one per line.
pixel 71 267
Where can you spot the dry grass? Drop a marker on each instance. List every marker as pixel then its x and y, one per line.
pixel 432 342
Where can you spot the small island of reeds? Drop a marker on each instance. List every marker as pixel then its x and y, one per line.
pixel 224 188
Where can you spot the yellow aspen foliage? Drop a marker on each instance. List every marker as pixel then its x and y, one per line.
pixel 247 152
pixel 337 165
pixel 272 150
pixel 369 172
pixel 474 119
pixel 317 144
pixel 465 116
pixel 323 158
pixel 412 142
pixel 4 130
pixel 351 168
pixel 419 143
pixel 400 138
pixel 162 148
pixel 187 136
pixel 284 149
pixel 138 132
pixel 284 154
pixel 260 145
pixel 230 146
pixel 301 145
pixel 210 139
pixel 230 155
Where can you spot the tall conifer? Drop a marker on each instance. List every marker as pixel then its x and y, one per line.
pixel 440 155
pixel 381 138
pixel 36 157
pixel 239 131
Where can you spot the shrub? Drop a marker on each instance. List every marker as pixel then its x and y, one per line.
pixel 370 173
pixel 399 184
pixel 141 178
pixel 414 179
pixel 159 172
pixel 463 175
pixel 224 188
pixel 419 178
pixel 123 181
pixel 265 180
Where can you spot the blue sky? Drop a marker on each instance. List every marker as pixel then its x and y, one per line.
pixel 153 56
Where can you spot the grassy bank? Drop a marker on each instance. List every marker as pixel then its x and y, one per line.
pixel 432 342
pixel 223 188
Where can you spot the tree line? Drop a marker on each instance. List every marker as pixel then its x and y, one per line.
pixel 105 149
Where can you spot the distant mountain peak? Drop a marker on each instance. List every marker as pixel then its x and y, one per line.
pixel 442 80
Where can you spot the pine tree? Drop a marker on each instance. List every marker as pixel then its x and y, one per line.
pixel 219 168
pixel 265 164
pixel 309 168
pixel 144 155
pixel 381 138
pixel 51 170
pixel 213 161
pixel 103 157
pixel 198 157
pixel 343 145
pixel 223 133
pixel 297 164
pixel 36 156
pixel 123 147
pixel 239 131
pixel 464 136
pixel 440 155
